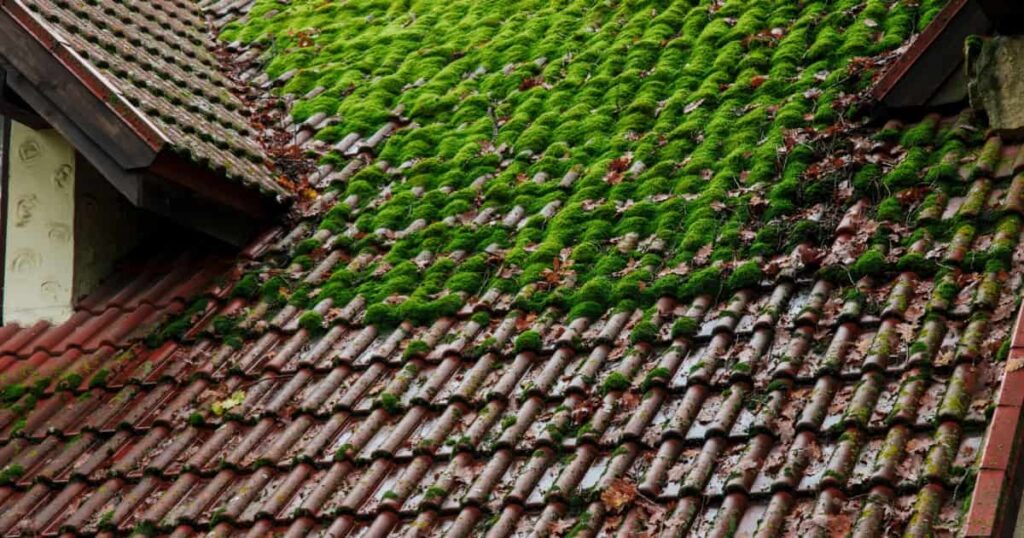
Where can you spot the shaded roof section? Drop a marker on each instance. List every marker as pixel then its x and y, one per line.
pixel 138 81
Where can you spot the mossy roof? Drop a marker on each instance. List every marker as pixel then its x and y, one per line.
pixel 585 268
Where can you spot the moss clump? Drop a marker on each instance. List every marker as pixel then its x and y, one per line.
pixel 11 473
pixel 871 263
pixel 528 341
pixel 306 246
pixel 13 393
pixel 99 379
pixel 917 263
pixel 614 382
pixel 416 348
pixel 890 209
pixel 381 316
pixel 656 375
pixel 706 281
pixel 685 327
pixel 312 321
pixel 273 290
pixel 747 275
pixel 389 402
pixel 645 332
pixel 434 493
pixel 481 318
pixel 587 309
pixel 246 287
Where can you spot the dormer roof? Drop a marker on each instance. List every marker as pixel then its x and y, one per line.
pixel 135 87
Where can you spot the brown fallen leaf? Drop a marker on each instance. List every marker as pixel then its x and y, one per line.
pixel 618 494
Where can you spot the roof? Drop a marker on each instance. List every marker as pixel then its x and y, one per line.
pixel 721 308
pixel 150 66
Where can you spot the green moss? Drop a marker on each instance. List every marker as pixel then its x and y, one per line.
pixel 246 287
pixel 706 98
pixel 917 263
pixel 434 493
pixel 644 331
pixel 312 321
pixel 273 290
pixel 658 374
pixel 614 382
pixel 587 309
pixel 70 381
pixel 416 348
pixel 481 318
pixel 11 473
pixel 390 403
pixel 890 209
pixel 306 246
pixel 13 393
pixel 528 341
pixel 685 327
pixel 99 379
pixel 747 275
pixel 871 263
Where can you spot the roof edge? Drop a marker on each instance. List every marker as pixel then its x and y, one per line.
pixel 1000 479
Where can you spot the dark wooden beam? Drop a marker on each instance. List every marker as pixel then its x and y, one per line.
pixel 915 77
pixel 5 150
pixel 1007 15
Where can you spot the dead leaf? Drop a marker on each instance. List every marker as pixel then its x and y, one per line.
pixel 618 494
pixel 703 255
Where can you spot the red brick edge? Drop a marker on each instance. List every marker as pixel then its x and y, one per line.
pixel 993 503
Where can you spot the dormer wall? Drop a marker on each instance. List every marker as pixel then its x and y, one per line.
pixel 65 226
pixel 39 239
